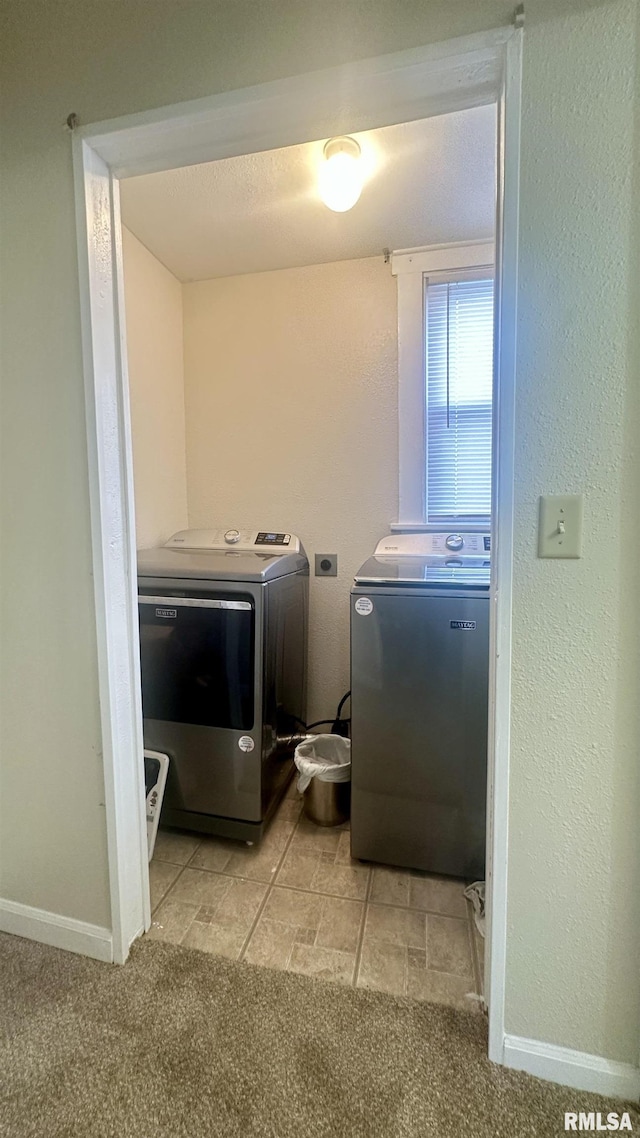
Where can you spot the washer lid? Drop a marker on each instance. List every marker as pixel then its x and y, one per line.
pixel 443 572
pixel 219 564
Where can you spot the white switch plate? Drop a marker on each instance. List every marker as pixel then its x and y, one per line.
pixel 560 532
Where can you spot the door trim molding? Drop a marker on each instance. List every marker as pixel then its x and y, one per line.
pixel 399 87
pixel 110 466
pixel 499 745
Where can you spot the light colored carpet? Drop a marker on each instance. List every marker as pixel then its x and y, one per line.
pixel 181 1044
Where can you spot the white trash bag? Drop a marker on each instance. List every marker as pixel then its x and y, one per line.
pixel 325 757
pixel 476 894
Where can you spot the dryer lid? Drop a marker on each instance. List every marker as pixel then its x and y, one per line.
pixel 225 555
pixel 219 564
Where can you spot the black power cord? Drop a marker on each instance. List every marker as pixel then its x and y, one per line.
pixel 338 725
pixel 342 726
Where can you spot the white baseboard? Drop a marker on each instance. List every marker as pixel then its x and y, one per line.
pixel 57 931
pixel 575 1069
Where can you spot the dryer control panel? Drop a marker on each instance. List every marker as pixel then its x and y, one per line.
pixel 273 539
pixel 241 541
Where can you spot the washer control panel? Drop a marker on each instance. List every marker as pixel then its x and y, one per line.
pixel 472 544
pixel 436 544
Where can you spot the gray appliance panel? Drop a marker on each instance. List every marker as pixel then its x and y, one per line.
pixel 218 565
pixel 284 682
pixel 209 774
pixel 419 729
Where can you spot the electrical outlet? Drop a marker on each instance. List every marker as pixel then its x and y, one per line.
pixel 326 564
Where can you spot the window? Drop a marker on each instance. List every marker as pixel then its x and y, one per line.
pixel 445 361
pixel 459 375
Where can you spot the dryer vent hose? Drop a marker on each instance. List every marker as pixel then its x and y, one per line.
pixel 339 726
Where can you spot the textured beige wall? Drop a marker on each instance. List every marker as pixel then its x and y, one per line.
pixel 574 893
pixel 291 397
pixel 572 948
pixel 153 303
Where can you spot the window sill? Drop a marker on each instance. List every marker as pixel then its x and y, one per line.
pixel 439 527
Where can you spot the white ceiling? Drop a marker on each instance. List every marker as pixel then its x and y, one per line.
pixel 428 183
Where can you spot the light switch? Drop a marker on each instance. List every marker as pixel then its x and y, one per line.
pixel 560 533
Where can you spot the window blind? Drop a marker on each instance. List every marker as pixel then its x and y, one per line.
pixel 459 355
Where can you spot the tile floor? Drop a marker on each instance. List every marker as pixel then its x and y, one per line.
pixel 298 902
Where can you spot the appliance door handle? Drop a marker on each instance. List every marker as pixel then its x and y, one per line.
pixel 194 603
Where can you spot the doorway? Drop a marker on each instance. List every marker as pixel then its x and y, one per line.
pixel 393 89
pixel 263 334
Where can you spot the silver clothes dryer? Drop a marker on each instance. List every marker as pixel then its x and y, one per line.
pixel 223 644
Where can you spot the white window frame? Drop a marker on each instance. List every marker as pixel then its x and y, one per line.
pixel 413 268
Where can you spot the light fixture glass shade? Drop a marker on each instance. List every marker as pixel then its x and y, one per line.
pixel 341 176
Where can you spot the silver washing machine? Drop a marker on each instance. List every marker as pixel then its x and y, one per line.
pixel 419 703
pixel 223 643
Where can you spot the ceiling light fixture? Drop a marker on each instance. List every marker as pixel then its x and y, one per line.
pixel 341 175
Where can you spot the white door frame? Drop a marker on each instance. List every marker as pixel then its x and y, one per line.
pixel 401 87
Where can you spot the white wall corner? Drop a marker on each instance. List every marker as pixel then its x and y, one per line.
pixel 55 930
pixel 575 1069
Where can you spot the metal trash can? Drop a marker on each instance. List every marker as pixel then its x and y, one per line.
pixel 324 765
pixel 327 803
